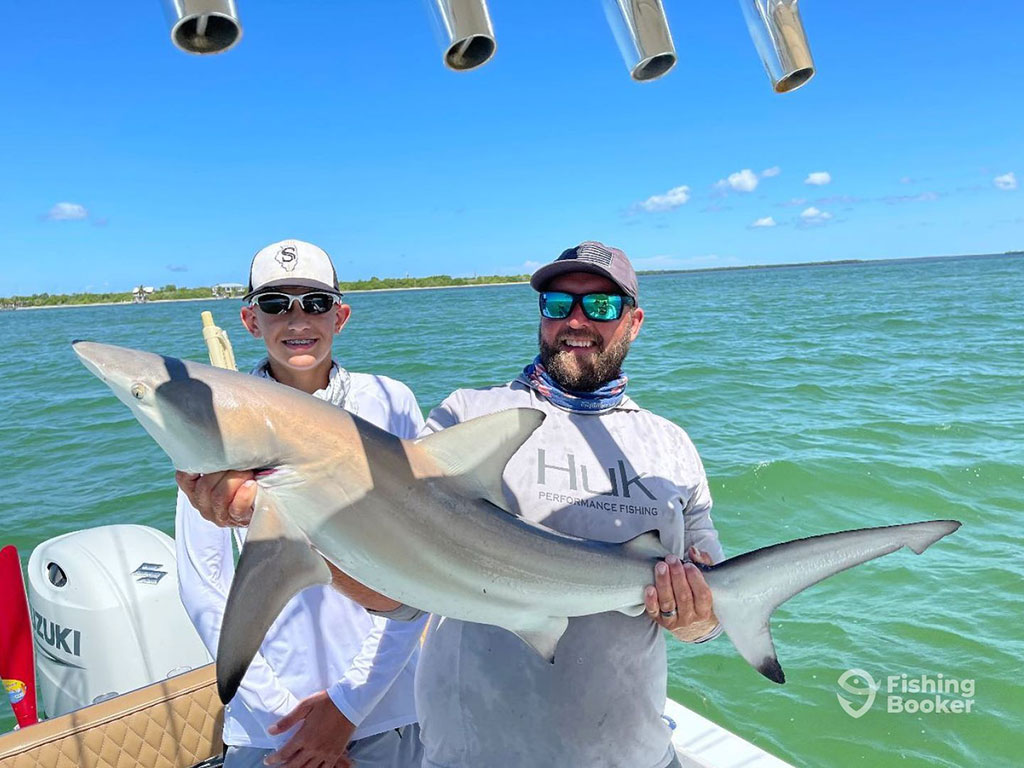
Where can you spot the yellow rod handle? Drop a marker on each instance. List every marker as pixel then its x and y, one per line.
pixel 218 344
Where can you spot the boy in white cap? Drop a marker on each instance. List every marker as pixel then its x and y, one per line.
pixel 332 683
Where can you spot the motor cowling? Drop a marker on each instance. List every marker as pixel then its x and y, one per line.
pixel 106 615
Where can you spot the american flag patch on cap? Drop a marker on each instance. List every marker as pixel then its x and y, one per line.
pixel 596 258
pixel 595 253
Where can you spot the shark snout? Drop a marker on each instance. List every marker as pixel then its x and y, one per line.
pixel 90 353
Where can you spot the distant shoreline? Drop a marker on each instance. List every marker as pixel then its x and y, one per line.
pixel 434 287
pixel 228 298
pixel 108 304
pixel 791 265
pixel 833 263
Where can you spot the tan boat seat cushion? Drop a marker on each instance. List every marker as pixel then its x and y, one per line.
pixel 175 723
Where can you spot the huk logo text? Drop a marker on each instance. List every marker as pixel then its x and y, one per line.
pixel 620 480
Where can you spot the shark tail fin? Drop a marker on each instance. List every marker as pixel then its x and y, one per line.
pixel 276 563
pixel 748 626
pixel 923 535
pixel 748 588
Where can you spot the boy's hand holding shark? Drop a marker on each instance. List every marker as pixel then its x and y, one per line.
pixel 224 498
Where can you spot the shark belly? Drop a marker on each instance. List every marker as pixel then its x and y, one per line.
pixel 462 558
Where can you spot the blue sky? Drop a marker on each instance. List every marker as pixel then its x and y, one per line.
pixel 126 161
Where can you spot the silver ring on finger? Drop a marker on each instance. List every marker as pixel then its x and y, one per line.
pixel 669 614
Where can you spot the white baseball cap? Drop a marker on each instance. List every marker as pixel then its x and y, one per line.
pixel 292 262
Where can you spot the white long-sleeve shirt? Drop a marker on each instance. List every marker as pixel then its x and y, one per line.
pixel 321 640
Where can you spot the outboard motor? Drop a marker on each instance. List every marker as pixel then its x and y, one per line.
pixel 641 30
pixel 203 26
pixel 781 43
pixel 106 616
pixel 467 37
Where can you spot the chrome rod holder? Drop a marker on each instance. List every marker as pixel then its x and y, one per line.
pixel 779 37
pixel 466 32
pixel 641 30
pixel 203 27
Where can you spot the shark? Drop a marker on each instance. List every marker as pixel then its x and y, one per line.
pixel 425 522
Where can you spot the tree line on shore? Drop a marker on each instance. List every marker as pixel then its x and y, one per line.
pixel 170 292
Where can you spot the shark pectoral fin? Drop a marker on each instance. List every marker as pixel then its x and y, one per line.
pixel 276 563
pixel 473 454
pixel 646 545
pixel 749 629
pixel 545 638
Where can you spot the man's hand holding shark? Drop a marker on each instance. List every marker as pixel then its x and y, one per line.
pixel 681 600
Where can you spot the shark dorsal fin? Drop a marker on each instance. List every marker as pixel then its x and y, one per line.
pixel 472 455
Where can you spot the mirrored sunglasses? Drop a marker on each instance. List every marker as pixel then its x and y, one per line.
pixel 558 305
pixel 313 303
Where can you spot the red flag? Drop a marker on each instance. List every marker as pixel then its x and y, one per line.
pixel 16 664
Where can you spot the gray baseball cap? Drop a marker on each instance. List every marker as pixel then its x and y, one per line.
pixel 292 262
pixel 595 258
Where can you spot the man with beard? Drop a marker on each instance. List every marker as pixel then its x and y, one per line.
pixel 599 467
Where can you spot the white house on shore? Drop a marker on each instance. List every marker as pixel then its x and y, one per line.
pixel 228 290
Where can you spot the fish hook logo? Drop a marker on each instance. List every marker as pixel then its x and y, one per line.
pixel 288 258
pixel 870 691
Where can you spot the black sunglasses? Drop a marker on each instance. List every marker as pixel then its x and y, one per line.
pixel 313 303
pixel 558 305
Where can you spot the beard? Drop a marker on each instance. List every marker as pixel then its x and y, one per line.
pixel 577 374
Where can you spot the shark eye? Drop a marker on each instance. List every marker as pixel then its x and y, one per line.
pixel 138 391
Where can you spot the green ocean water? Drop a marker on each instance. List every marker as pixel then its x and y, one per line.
pixel 820 398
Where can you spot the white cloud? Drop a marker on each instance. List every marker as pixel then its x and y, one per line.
pixel 767 221
pixel 906 180
pixel 741 181
pixel 813 216
pixel 818 178
pixel 67 212
pixel 672 199
pixel 529 267
pixel 767 173
pixel 1007 181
